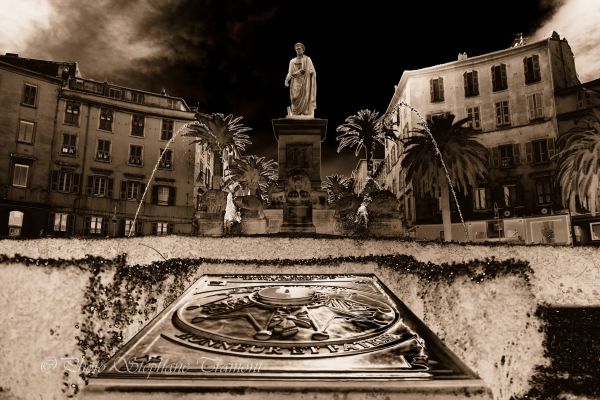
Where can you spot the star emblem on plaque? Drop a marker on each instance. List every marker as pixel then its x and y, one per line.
pixel 309 326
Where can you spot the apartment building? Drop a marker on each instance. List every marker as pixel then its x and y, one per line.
pixel 509 97
pixel 94 150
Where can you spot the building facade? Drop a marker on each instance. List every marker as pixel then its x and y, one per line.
pixel 95 148
pixel 509 97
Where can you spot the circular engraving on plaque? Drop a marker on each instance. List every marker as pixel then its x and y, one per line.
pixel 288 321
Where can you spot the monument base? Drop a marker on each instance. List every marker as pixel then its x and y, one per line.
pixel 388 227
pixel 209 224
pixel 287 390
pixel 297 228
pixel 254 226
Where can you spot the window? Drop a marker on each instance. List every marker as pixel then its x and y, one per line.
pixel 114 93
pixel 536 107
pixel 163 195
pixel 502 113
pixel 26 129
pixel 68 144
pixel 96 225
pixel 481 198
pixel 15 222
pixel 166 132
pixel 471 83
pixel 20 173
pixel 506 156
pixel 540 151
pixel 72 113
pixel 64 181
pixel 172 104
pixel 473 113
pixel 160 228
pixel 543 189
pixel 60 222
pixel 133 190
pixel 595 230
pixel 509 195
pixel 137 125
pixel 128 224
pixel 99 186
pixel 29 95
pixel 106 119
pixel 531 65
pixel 137 97
pixel 103 150
pixel 437 89
pixel 584 99
pixel 136 154
pixel 499 81
pixel 166 161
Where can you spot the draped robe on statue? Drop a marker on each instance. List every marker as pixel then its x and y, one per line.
pixel 303 87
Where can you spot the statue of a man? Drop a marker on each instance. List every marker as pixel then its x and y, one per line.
pixel 303 91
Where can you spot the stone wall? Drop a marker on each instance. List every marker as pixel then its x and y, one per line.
pixel 56 309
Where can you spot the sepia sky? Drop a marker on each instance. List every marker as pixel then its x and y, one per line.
pixel 232 56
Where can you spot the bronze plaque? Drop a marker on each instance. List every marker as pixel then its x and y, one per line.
pixel 298 156
pixel 284 327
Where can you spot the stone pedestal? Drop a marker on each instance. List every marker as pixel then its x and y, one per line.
pixel 299 160
pixel 254 226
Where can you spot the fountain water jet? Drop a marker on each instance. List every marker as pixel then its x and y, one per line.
pixel 439 153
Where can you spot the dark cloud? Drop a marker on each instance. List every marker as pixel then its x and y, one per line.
pixel 232 56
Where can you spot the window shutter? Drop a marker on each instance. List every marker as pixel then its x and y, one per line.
pixel 142 190
pixel 86 228
pixel 529 152
pixel 475 83
pixel 70 224
pixel 441 86
pixel 466 81
pixel 431 90
pixel 154 228
pixel 494 83
pixel 76 182
pixel 517 153
pixel 54 181
pixel 495 155
pixel 551 148
pixel 172 196
pixel 531 105
pixel 90 184
pixel 123 190
pixel 536 68
pixel 110 185
pixel 488 198
pixel 526 70
pixel 503 73
pixel 154 199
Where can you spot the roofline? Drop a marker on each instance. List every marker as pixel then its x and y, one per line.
pixel 576 88
pixel 30 72
pixel 134 89
pixel 465 62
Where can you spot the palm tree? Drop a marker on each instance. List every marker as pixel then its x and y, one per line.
pixel 253 174
pixel 465 159
pixel 337 187
pixel 362 131
pixel 220 134
pixel 579 164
